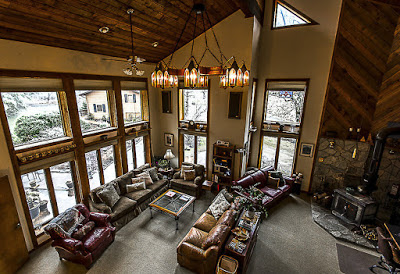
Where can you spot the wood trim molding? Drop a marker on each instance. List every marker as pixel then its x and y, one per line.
pixel 121 146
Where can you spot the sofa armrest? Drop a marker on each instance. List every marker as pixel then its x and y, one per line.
pixel 191 251
pixel 160 176
pixel 199 180
pixel 70 244
pixel 177 175
pixel 101 219
pixel 97 207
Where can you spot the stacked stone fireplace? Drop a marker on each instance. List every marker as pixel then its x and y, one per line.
pixel 337 169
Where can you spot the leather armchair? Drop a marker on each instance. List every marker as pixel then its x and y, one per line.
pixel 91 246
pixel 189 187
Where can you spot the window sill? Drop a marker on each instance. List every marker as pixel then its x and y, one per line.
pixel 42 144
pixel 129 125
pixel 99 131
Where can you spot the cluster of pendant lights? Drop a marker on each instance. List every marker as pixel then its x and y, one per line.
pixel 196 76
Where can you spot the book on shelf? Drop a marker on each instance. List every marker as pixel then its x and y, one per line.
pixel 237 245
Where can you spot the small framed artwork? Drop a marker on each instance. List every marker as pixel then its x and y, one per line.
pixel 306 150
pixel 169 139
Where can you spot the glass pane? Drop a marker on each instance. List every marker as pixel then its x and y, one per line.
pixel 38 199
pixel 287 150
pixel 284 106
pixel 139 151
pixel 195 104
pixel 129 154
pixel 188 148
pixel 33 116
pixel 202 150
pixel 268 151
pixel 93 169
pixel 285 17
pixel 131 106
pixel 63 186
pixel 107 159
pixel 93 109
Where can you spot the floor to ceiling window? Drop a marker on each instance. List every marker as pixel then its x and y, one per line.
pixel 283 113
pixel 194 117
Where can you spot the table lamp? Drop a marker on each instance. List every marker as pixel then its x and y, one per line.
pixel 168 156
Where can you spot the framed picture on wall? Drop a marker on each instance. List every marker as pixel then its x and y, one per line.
pixel 169 139
pixel 306 150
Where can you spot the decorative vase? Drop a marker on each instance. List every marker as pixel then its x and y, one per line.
pixel 43 206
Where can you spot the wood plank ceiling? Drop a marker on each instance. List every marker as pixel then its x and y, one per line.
pixel 364 42
pixel 74 24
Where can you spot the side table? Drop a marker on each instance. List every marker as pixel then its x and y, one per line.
pixel 207 185
pixel 244 256
pixel 167 172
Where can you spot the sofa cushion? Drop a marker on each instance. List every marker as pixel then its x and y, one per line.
pixel 123 181
pixel 284 188
pixel 153 173
pixel 259 177
pixel 228 218
pixel 189 175
pixel 216 236
pixel 83 230
pixel 94 193
pixel 96 237
pixel 274 193
pixel 266 200
pixel 109 196
pixel 199 169
pixel 245 182
pixel 136 187
pixel 139 196
pixel 218 206
pixel 146 177
pixel 140 169
pixel 122 207
pixel 156 186
pixel 206 222
pixel 195 237
pixel 184 184
pixel 185 167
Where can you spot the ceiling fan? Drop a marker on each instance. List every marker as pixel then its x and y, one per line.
pixel 132 60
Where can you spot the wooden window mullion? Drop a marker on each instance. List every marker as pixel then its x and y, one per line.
pixel 100 165
pixel 134 153
pixel 195 149
pixel 77 190
pixel 50 189
pixel 278 145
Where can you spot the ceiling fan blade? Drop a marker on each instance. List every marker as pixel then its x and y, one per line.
pixel 140 60
pixel 116 60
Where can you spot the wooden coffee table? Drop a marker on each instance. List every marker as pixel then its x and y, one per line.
pixel 173 203
pixel 244 256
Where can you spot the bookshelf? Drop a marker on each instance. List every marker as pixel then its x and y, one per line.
pixel 223 165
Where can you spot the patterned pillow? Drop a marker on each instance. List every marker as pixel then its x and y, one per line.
pixel 189 175
pixel 109 196
pixel 85 229
pixel 65 224
pixel 153 173
pixel 183 168
pixel 219 206
pixel 136 187
pixel 146 177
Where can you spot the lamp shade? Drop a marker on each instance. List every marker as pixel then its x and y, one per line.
pixel 169 155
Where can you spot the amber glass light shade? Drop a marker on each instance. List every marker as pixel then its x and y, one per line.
pixel 186 78
pixel 166 79
pixel 154 79
pixel 239 80
pixel 203 81
pixel 246 78
pixel 160 79
pixel 194 78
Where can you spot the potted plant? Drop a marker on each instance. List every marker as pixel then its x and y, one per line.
pixel 251 200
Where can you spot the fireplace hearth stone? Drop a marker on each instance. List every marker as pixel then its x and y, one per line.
pixel 336 227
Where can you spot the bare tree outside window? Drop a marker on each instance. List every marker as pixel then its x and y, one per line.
pixel 195 104
pixel 284 108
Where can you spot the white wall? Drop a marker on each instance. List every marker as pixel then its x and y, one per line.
pixel 300 52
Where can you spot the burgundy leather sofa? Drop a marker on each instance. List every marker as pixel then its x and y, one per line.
pixel 273 195
pixel 91 246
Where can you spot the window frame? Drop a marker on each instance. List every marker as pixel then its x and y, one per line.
pixel 293 10
pixel 265 132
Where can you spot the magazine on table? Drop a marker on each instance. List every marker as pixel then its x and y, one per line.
pixel 184 198
pixel 170 194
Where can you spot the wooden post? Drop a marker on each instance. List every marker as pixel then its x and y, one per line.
pixel 80 159
pixel 121 146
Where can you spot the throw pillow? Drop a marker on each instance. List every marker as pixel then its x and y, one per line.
pixel 136 187
pixel 153 173
pixel 189 175
pixel 218 206
pixel 183 168
pixel 146 177
pixel 85 229
pixel 109 196
pixel 215 236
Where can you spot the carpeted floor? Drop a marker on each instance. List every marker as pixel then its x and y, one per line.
pixel 288 242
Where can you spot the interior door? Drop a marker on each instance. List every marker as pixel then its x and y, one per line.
pixel 13 251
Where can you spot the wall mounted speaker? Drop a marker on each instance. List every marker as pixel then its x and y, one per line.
pixel 166 101
pixel 235 105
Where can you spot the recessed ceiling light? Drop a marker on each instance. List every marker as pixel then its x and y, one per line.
pixel 104 29
pixel 155 44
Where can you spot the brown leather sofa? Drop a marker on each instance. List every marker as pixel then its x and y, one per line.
pixel 189 187
pixel 131 204
pixel 273 194
pixel 201 247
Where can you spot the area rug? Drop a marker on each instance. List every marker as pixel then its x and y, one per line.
pixel 353 261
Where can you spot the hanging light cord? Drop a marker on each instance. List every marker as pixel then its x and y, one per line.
pixel 206 42
pixel 180 37
pixel 216 40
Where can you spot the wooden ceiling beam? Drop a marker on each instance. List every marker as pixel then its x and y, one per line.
pixel 392 3
pixel 252 8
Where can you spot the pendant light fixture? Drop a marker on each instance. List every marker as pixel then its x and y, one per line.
pixel 194 74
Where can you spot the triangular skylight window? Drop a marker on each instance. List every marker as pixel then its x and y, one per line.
pixel 287 16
